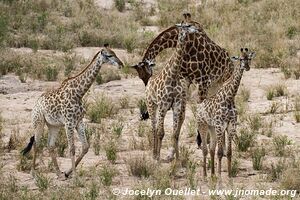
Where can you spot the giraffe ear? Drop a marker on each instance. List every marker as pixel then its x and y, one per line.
pixel 106 45
pixel 246 49
pixel 234 58
pixel 242 49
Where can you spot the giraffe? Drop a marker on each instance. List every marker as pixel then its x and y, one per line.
pixel 218 114
pixel 205 63
pixel 63 107
pixel 165 91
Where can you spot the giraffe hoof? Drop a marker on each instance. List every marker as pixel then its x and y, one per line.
pixel 62 176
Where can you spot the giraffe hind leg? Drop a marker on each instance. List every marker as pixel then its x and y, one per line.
pixel 52 136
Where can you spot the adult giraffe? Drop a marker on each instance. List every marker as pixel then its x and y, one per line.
pixel 204 62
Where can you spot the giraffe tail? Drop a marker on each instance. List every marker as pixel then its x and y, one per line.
pixel 199 140
pixel 28 147
pixel 144 115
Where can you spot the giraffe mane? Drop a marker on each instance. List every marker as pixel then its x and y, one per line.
pixel 165 31
pixel 82 71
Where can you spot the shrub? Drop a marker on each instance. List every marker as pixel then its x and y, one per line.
pixel 244 94
pixel 142 106
pixel 120 5
pixel 274 107
pixel 191 172
pixel 111 151
pixel 254 122
pixel 42 181
pixel 124 102
pixel 106 175
pixel 258 155
pixel 244 140
pixel 102 108
pixel 141 167
pixel 235 167
pixel 92 192
pixel 51 73
pixel 270 94
pixel 117 128
pixel 290 179
pixel 280 142
pixel 276 170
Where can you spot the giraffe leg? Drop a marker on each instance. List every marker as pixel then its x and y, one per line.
pixel 70 136
pixel 52 136
pixel 202 93
pixel 220 132
pixel 178 118
pixel 152 113
pixel 202 127
pixel 212 147
pixel 85 145
pixel 231 132
pixel 38 125
pixel 160 129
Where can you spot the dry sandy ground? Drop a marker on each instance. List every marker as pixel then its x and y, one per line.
pixel 17 100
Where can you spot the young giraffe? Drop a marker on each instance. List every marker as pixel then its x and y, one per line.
pixel 218 113
pixel 166 91
pixel 63 107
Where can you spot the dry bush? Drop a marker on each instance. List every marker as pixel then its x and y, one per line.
pixel 245 139
pixel 102 108
pixel 140 166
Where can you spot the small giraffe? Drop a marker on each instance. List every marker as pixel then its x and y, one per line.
pixel 165 91
pixel 63 107
pixel 218 114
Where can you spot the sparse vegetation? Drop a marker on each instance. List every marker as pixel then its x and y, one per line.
pixel 102 108
pixel 42 181
pixel 276 170
pixel 120 5
pixel 140 166
pixel 244 94
pixel 107 174
pixel 235 167
pixel 61 143
pixel 124 102
pixel 258 155
pixel 111 151
pixel 117 128
pixel 245 139
pixel 254 122
pixel 280 143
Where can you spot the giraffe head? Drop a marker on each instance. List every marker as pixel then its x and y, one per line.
pixel 109 56
pixel 144 70
pixel 245 58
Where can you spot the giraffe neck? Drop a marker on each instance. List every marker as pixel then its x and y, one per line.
pixel 166 39
pixel 83 81
pixel 233 83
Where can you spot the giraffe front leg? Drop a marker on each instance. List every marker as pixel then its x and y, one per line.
pixel 85 144
pixel 178 118
pixel 160 130
pixel 152 113
pixel 70 136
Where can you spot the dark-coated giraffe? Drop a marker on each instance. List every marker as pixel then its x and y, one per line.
pixel 63 107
